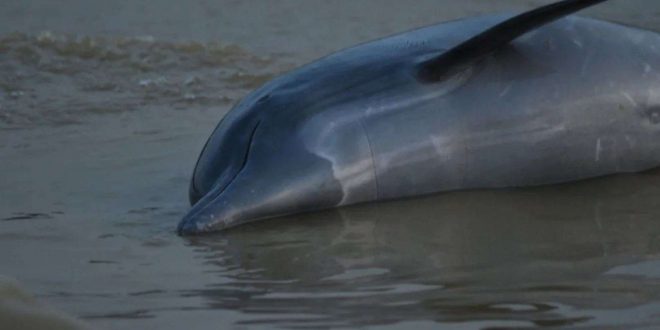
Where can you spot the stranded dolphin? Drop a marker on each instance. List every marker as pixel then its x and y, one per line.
pixel 486 102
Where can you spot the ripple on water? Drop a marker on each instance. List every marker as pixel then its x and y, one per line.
pixel 473 259
pixel 60 79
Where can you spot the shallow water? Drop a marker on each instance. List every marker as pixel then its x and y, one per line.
pixel 104 107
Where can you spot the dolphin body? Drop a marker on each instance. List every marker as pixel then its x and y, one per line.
pixel 487 102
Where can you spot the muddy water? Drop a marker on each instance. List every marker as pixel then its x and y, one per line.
pixel 104 107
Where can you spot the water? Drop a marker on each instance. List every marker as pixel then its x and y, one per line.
pixel 104 107
pixel 19 310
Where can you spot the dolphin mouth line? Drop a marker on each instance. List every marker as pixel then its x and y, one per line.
pixel 193 185
pixel 188 218
pixel 245 157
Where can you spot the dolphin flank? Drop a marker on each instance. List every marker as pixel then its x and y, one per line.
pixel 486 102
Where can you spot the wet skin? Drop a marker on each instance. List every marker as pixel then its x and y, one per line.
pixel 575 99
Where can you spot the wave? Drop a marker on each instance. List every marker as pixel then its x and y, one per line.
pixel 58 79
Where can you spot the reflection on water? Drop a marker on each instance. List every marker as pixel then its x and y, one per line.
pixel 101 120
pixel 545 256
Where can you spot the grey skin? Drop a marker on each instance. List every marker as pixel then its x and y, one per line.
pixel 574 99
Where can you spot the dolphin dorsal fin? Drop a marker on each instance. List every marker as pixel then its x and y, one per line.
pixel 500 35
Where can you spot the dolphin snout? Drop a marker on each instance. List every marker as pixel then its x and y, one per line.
pixel 190 226
pixel 187 228
pixel 194 223
pixel 206 215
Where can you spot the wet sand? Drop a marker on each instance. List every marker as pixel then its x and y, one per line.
pixel 105 106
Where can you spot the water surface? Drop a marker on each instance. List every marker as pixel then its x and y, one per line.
pixel 104 107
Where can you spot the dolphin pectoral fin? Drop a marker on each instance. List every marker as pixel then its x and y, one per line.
pixel 471 51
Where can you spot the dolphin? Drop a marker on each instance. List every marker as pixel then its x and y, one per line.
pixel 498 101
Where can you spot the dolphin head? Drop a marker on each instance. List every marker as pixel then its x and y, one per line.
pixel 297 144
pixel 261 163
